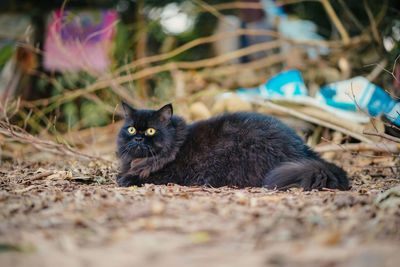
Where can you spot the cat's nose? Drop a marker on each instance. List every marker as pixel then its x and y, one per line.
pixel 138 139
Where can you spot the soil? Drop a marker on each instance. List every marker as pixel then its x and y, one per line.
pixel 71 213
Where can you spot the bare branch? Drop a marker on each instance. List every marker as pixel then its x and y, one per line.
pixel 383 135
pixel 375 147
pixel 336 21
pixel 15 133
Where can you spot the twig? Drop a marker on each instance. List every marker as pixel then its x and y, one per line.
pixel 388 71
pixel 253 65
pixel 213 11
pixel 357 152
pixel 27 118
pixel 373 167
pixel 351 15
pixel 113 115
pixel 41 175
pixel 371 119
pixel 377 70
pixel 343 33
pixel 383 135
pixel 228 56
pixel 374 26
pixel 250 5
pixel 375 147
pixel 16 133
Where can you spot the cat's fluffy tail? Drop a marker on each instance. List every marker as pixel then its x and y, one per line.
pixel 308 174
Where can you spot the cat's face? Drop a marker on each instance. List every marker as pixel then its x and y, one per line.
pixel 145 133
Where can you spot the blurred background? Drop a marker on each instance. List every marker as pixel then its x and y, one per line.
pixel 65 65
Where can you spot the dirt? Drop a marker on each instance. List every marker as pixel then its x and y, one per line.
pixel 71 213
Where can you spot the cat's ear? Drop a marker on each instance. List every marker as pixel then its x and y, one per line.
pixel 128 110
pixel 165 114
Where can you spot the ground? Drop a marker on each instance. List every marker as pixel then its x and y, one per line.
pixel 71 213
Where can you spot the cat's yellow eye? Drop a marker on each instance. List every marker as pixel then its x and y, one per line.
pixel 131 130
pixel 150 131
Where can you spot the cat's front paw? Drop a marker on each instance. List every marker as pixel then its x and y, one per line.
pixel 140 168
pixel 127 180
pixel 142 171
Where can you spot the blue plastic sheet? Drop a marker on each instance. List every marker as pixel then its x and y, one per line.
pixel 345 98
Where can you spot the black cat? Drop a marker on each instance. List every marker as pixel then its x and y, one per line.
pixel 239 149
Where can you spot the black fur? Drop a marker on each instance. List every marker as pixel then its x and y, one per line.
pixel 239 149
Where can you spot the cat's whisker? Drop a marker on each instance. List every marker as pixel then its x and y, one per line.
pixel 126 149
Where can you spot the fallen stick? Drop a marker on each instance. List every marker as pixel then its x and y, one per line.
pixel 375 147
pixel 383 135
pixel 41 175
pixel 373 167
